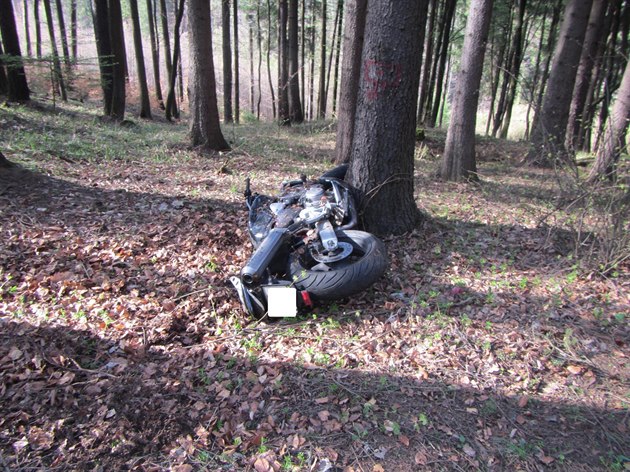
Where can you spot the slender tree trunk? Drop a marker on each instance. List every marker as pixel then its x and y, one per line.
pixel 332 52
pixel 16 77
pixel 145 103
pixel 171 103
pixel 38 30
pixel 613 140
pixel 62 33
pixel 284 114
pixel 252 86
pixel 205 129
pixel 4 84
pixel 441 25
pixel 155 53
pixel 227 62
pixel 547 141
pixel 27 31
pixel 536 78
pixel 458 161
pixel 321 102
pixel 337 58
pixel 381 166
pixel 166 38
pixel 259 36
pixel 426 65
pixel 303 58
pixel 311 83
pixel 503 72
pixel 448 18
pixel 295 106
pixel 237 85
pixel 73 30
pixel 273 96
pixel 59 82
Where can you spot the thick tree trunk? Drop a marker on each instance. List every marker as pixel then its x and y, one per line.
pixel 227 62
pixel 16 77
pixel 237 85
pixel 547 142
pixel 117 111
pixel 295 106
pixel 458 161
pixel 171 103
pixel 155 52
pixel 145 103
pixel 584 73
pixel 104 48
pixel 58 76
pixel 321 101
pixel 205 129
pixel 614 137
pixel 284 114
pixel 381 166
pixel 353 33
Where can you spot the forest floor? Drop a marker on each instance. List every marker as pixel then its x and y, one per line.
pixel 493 342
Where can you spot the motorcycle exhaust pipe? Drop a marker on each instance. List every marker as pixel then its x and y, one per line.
pixel 255 268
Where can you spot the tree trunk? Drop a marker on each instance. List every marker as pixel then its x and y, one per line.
pixel 311 83
pixel 536 79
pixel 321 102
pixel 145 103
pixel 205 129
pixel 38 30
pixel 426 65
pixel 58 76
pixel 353 34
pixel 250 29
pixel 155 53
pixel 381 165
pixel 237 85
pixel 62 33
pixel 295 106
pixel 27 31
pixel 614 137
pixel 227 62
pixel 333 47
pixel 16 77
pixel 73 30
pixel 303 58
pixel 4 85
pixel 284 114
pixel 584 73
pixel 458 161
pixel 337 58
pixel 273 96
pixel 171 102
pixel 259 36
pixel 117 111
pixel 104 48
pixel 449 16
pixel 166 38
pixel 547 142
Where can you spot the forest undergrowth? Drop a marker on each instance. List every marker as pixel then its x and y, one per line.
pixel 497 340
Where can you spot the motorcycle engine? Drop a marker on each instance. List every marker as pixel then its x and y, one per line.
pixel 313 202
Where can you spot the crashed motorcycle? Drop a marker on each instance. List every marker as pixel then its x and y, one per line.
pixel 306 248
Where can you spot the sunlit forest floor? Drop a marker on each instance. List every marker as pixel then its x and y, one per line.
pixel 497 340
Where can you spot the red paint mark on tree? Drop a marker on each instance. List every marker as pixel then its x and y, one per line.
pixel 380 76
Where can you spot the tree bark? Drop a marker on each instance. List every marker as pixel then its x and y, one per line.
pixel 73 30
pixel 205 129
pixel 613 140
pixel 16 77
pixel 547 142
pixel 353 34
pixel 38 30
pixel 250 29
pixel 171 103
pixel 237 85
pixel 295 105
pixel 311 82
pixel 117 111
pixel 27 30
pixel 166 38
pixel 426 65
pixel 458 161
pixel 284 114
pixel 449 16
pixel 321 101
pixel 337 58
pixel 62 33
pixel 155 53
pixel 228 117
pixel 145 103
pixel 381 165
pixel 584 76
pixel 58 76
pixel 273 95
pixel 259 36
pixel 104 48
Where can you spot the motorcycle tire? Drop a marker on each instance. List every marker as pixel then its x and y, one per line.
pixel 351 275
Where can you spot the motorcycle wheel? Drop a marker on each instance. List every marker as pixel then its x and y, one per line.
pixel 351 275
